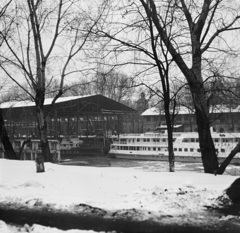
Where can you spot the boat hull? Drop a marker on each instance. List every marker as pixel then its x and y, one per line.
pixel 162 157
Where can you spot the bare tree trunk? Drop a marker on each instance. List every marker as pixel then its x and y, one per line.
pixel 227 161
pixel 9 151
pixel 42 127
pixel 209 157
pixel 207 147
pixel 170 139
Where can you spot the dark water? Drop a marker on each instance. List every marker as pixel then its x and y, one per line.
pixel 151 166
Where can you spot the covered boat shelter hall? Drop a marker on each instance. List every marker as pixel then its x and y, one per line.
pixel 75 115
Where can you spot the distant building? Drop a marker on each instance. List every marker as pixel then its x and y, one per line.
pixel 142 103
pixel 222 118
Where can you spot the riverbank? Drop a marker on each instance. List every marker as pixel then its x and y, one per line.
pixel 113 199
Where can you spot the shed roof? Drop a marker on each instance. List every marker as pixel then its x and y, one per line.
pixel 73 104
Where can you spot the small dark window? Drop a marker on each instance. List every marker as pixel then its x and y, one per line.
pixel 185 149
pixel 180 149
pixel 191 150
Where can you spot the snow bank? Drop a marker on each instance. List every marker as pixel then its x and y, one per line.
pixel 152 194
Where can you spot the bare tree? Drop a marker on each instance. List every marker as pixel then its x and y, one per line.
pixel 193 33
pixel 49 36
pixel 5 25
pixel 204 27
pixel 113 84
pixel 150 58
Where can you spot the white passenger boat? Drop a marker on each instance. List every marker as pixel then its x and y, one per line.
pixel 154 146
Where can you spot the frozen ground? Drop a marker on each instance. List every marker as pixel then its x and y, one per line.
pixel 114 193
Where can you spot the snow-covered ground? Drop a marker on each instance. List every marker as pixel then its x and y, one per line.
pixel 179 197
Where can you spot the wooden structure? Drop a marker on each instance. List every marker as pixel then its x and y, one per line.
pixel 77 115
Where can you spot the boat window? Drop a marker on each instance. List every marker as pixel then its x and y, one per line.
pixel 185 140
pixel 191 150
pixel 198 150
pixel 157 139
pixel 185 149
pixel 159 148
pixel 222 150
pixel 197 139
pixel 144 140
pixel 192 139
pixel 148 139
pixel 179 149
pixel 164 140
pixel 226 139
pixel 149 148
pixel 138 140
pixel 236 139
pixel 175 149
pixel 216 139
pixel 123 141
pixel 137 148
pixel 154 148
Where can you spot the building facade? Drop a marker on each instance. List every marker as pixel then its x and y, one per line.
pixel 222 118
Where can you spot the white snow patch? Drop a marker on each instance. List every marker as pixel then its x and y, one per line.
pixel 116 190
